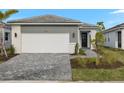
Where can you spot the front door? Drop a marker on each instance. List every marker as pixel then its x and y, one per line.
pixel 84 39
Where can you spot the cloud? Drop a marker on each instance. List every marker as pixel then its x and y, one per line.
pixel 120 11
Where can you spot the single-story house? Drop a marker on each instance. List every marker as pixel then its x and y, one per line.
pixel 5 35
pixel 50 34
pixel 114 36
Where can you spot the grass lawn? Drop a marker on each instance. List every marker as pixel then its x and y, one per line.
pixel 89 74
pixel 98 74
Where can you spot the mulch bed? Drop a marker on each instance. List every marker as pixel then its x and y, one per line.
pixel 3 58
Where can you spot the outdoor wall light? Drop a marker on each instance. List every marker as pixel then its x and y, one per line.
pixel 15 34
pixel 73 35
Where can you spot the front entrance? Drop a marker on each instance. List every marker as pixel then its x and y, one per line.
pixel 84 39
pixel 119 39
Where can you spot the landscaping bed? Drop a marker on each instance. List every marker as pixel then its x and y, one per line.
pixel 92 72
pixel 91 63
pixel 10 52
pixel 3 58
pixel 110 67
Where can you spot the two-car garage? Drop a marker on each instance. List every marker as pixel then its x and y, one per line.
pixel 44 39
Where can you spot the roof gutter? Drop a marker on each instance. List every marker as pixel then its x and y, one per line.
pixel 113 29
pixel 85 27
pixel 44 23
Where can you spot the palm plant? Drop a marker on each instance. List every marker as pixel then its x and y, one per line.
pixel 3 17
pixel 6 14
pixel 99 40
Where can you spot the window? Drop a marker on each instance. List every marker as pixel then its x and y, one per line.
pixel 6 36
pixel 108 39
pixel 73 35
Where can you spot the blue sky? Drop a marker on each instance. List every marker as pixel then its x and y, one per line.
pixel 110 17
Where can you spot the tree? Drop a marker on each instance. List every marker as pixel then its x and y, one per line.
pixel 99 40
pixel 100 26
pixel 3 17
pixel 6 14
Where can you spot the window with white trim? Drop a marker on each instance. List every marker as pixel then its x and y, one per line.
pixel 6 37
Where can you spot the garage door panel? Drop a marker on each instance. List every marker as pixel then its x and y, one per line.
pixel 45 43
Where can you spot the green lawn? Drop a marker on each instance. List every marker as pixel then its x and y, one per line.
pixel 87 74
pixel 98 74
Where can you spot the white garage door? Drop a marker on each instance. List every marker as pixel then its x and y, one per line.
pixel 45 43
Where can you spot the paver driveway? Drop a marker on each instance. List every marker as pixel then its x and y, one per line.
pixel 37 67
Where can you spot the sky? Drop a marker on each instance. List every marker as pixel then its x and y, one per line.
pixel 110 17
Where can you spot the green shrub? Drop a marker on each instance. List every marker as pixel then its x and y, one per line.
pixel 91 59
pixel 81 62
pixel 11 50
pixel 76 49
pixel 109 58
pixel 77 63
pixel 81 51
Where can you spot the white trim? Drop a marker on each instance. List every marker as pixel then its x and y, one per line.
pixel 44 23
pixel 79 37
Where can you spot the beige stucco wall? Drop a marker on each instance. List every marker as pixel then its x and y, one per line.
pixel 16 41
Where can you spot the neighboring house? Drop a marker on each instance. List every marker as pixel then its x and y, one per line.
pixel 50 34
pixel 5 35
pixel 115 36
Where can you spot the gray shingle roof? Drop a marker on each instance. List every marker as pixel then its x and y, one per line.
pixel 45 19
pixel 119 26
